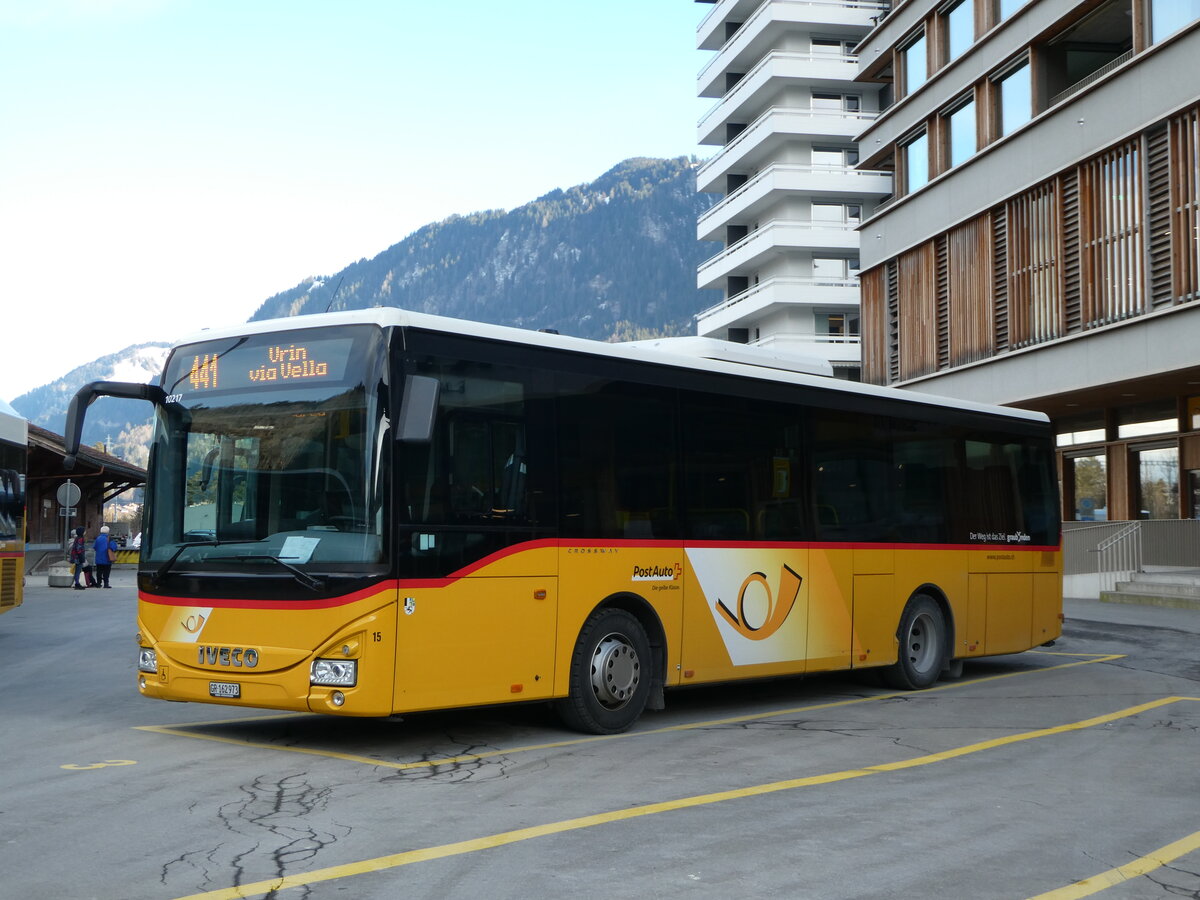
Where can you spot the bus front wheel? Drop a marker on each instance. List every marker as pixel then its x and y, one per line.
pixel 610 674
pixel 922 636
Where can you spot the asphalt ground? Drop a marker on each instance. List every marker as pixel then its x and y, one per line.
pixel 1065 772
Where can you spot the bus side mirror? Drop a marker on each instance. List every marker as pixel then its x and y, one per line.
pixel 83 399
pixel 418 409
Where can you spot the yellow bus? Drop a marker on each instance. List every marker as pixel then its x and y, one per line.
pixel 380 512
pixel 14 455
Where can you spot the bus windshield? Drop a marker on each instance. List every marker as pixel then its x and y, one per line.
pixel 265 460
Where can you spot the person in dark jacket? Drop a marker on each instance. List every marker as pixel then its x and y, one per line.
pixel 77 555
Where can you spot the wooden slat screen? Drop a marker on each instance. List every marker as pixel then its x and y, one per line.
pixel 1185 203
pixel 1158 216
pixel 873 299
pixel 971 318
pixel 1110 192
pixel 1035 306
pixel 892 284
pixel 1072 308
pixel 1000 276
pixel 942 251
pixel 918 312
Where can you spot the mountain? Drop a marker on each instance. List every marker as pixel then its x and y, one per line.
pixel 611 258
pixel 614 259
pixel 121 425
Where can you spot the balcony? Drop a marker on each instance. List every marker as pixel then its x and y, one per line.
pixel 761 140
pixel 774 295
pixel 765 27
pixel 764 243
pixel 822 71
pixel 711 33
pixel 769 186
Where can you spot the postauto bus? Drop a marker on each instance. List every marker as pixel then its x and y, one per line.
pixel 380 512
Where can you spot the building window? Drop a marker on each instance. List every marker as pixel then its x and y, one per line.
pixel 1015 94
pixel 916 64
pixel 832 47
pixel 833 269
pixel 1148 418
pixel 1158 482
pixel 837 327
pixel 961 137
pixel 916 162
pixel 1081 429
pixel 1168 16
pixel 1005 8
pixel 839 102
pixel 1089 477
pixel 960 28
pixel 837 213
pixel 834 157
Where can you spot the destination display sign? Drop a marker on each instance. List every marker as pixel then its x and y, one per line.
pixel 261 362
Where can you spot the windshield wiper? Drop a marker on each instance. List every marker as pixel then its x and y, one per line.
pixel 162 570
pixel 308 581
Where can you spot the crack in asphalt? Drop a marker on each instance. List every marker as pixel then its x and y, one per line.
pixel 275 813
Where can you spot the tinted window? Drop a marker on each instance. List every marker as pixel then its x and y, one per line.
pixel 743 477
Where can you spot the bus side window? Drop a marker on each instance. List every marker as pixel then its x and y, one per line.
pixel 852 484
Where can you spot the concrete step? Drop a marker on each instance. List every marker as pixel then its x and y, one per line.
pixel 1145 595
pixel 1163 588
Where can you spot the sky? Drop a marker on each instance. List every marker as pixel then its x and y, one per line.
pixel 168 165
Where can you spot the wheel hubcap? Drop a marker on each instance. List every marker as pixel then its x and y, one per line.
pixel 616 671
pixel 922 642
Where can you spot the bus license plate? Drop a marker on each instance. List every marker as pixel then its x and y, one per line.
pixel 224 689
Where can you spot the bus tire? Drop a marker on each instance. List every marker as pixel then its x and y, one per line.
pixel 610 674
pixel 922 636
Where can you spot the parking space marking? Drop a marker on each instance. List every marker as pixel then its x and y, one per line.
pixel 176 730
pixel 1155 859
pixel 487 842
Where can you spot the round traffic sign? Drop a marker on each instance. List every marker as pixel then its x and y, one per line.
pixel 69 494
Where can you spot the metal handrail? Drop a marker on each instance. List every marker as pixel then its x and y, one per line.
pixel 1091 78
pixel 1120 555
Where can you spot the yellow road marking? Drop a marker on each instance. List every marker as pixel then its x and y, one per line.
pixel 1153 860
pixel 457 848
pixel 554 745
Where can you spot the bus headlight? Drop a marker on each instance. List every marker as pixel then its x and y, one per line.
pixel 147 659
pixel 334 672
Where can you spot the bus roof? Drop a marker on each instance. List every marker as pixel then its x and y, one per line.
pixel 655 352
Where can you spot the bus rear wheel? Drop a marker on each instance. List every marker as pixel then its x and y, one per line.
pixel 922 636
pixel 610 674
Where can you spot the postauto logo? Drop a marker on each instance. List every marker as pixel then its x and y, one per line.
pixel 754 612
pixel 669 572
pixel 778 605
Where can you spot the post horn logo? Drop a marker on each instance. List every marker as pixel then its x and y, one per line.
pixel 778 605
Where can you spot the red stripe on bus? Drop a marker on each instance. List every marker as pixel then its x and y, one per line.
pixel 561 544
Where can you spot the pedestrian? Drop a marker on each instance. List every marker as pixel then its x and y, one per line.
pixel 105 552
pixel 76 555
pixel 89 566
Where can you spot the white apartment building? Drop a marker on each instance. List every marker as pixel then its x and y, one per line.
pixel 786 115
